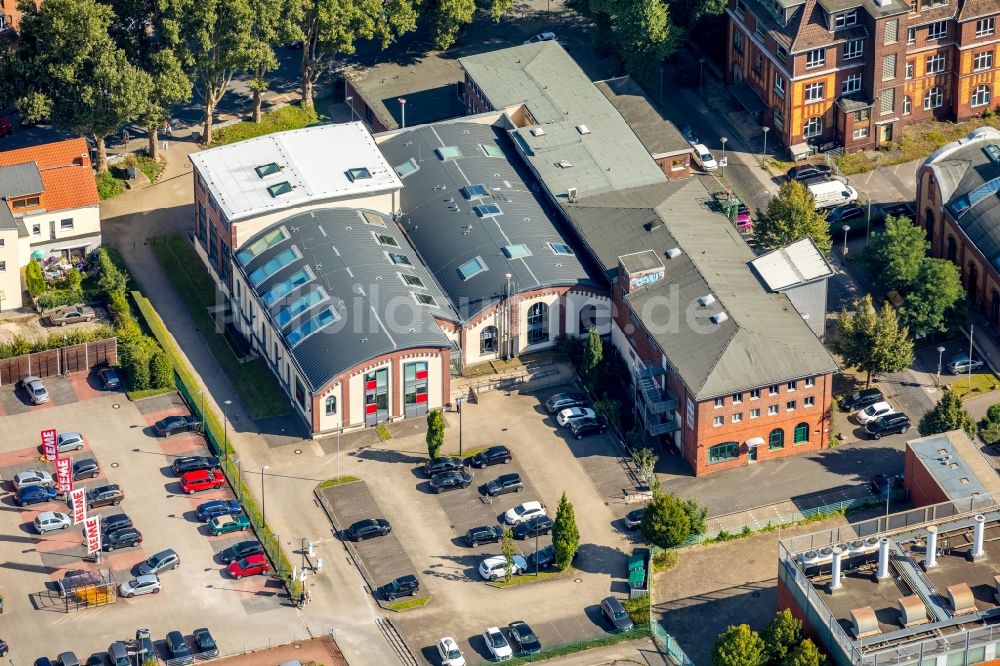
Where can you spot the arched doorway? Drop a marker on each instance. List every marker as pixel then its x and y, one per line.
pixel 929 227
pixel 952 249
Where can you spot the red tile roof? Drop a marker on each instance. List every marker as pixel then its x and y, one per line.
pixel 65 169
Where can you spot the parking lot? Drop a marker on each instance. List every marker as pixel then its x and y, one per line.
pixel 118 435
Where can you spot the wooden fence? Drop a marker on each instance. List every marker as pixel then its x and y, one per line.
pixel 62 361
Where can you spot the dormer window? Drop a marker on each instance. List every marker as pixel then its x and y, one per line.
pixel 845 19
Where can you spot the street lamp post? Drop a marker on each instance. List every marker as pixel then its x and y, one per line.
pixel 458 404
pixel 723 140
pixel 225 427
pixel 402 107
pixel 763 154
pixel 263 515
pixel 846 228
pixel 350 102
pixel 868 223
pixel 940 351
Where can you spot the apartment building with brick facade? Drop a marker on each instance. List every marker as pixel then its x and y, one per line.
pixel 853 73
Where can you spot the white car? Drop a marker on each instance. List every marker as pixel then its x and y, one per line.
pixel 35 389
pixel 523 511
pixel 69 441
pixel 495 567
pixel 704 158
pixel 499 647
pixel 872 412
pixel 32 477
pixel 567 416
pixel 449 652
pixel 48 521
pixel 542 37
pixel 148 584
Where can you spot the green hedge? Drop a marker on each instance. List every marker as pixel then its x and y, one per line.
pixel 20 345
pixel 279 120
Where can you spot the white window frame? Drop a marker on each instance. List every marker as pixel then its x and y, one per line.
pixel 911 36
pixel 809 401
pixel 937 30
pixel 860 132
pixel 772 410
pixel 845 19
pixel 985 26
pixel 779 85
pixel 854 49
pixel 935 64
pixel 928 98
pixel 907 105
pixel 718 421
pixel 981 95
pixel 814 92
pixel 737 417
pixel 810 130
pixel 815 58
pixel 982 61
pixel 851 84
pixel 755 413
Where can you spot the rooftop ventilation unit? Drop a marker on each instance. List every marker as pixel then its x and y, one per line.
pixel 674 252
pixel 707 299
pixel 719 318
pixel 583 129
pixel 655 224
pixel 993 152
pixel 537 131
pixel 564 164
pixel 571 194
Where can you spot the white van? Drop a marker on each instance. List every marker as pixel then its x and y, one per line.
pixel 832 193
pixel 704 158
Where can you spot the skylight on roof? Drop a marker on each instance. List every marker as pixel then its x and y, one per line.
pixel 373 218
pixel 471 268
pixel 448 152
pixel 285 287
pixel 487 210
pixel 358 173
pixel 267 169
pixel 276 190
pixel 491 150
pixel 398 259
pixel 298 306
pixel 385 239
pixel 273 266
pixel 263 243
pixel 564 164
pixel 320 321
pixel 560 248
pixel 583 129
pixel 425 299
pixel 411 280
pixel 516 251
pixel 408 167
pixel 473 192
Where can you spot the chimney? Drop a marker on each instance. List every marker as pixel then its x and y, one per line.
pixel 977 538
pixel 930 557
pixel 838 554
pixel 883 558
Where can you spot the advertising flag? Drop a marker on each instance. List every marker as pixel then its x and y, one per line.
pixel 78 499
pixel 64 475
pixel 49 444
pixel 92 531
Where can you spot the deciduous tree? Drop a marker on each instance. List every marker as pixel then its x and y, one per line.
pixel 897 253
pixel 33 278
pixel 934 293
pixel 804 654
pixel 447 17
pixel 508 549
pixel 435 433
pixel 739 646
pixel 873 341
pixel 565 534
pixel 666 522
pixel 593 352
pixel 792 216
pixel 948 414
pixel 782 635
pixel 645 462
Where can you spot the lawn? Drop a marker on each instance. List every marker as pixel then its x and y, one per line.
pixel 330 483
pixel 109 187
pixel 982 382
pixel 530 578
pixel 279 120
pixel 253 380
pixel 407 604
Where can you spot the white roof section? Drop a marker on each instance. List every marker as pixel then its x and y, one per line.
pixel 794 264
pixel 316 162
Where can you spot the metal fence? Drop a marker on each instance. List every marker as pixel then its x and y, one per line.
pixel 663 641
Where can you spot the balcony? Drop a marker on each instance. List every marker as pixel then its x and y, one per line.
pixel 657 425
pixel 655 400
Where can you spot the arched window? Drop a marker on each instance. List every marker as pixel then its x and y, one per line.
pixel 907 105
pixel 776 440
pixel 801 433
pixel 980 96
pixel 813 127
pixel 488 340
pixel 929 227
pixel 952 249
pixel 934 98
pixel 588 318
pixel 538 323
pixel 331 405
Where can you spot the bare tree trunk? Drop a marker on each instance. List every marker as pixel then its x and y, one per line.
pixel 868 381
pixel 210 102
pixel 256 104
pixel 307 92
pixel 102 154
pixel 154 143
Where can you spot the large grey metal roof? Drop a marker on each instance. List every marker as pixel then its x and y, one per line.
pixel 561 99
pixel 375 310
pixel 441 220
pixel 657 134
pixel 762 340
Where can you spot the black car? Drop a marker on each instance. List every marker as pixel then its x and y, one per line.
pixel 887 425
pixel 177 424
pixel 194 464
pixel 846 214
pixel 401 587
pixel 205 643
pixel 524 638
pixel 119 521
pixel 126 537
pixel 537 526
pixel 240 550
pixel 178 650
pixel 495 455
pixel 110 380
pixel 880 483
pixel 899 209
pixel 484 534
pixel 4 648
pixel 443 464
pixel 367 529
pixel 446 481
pixel 109 495
pixel 542 559
pixel 505 483
pixel 86 469
pixel 588 425
pixel 861 399
pixel 806 172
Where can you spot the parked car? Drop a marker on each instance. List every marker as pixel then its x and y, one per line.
pixel 178 649
pixel 880 483
pixel 49 521
pixel 194 464
pixel 616 614
pixel 240 550
pixel 4 648
pixel 567 416
pixel 888 425
pixel 505 483
pixel 126 537
pixel 494 455
pixel 497 644
pixel 117 521
pixel 251 565
pixel 542 559
pixel 587 426
pixel 443 464
pixel 109 495
pixel 145 584
pixel 6 129
pixel 165 560
pixel 633 519
pixel 215 508
pixel 71 314
pixel 449 653
pixel 523 638
pixel 34 495
pixel 35 389
pixel 523 512
pixel 494 567
pixel 69 441
pixel 898 209
pixel 118 654
pixel 202 479
pixel 205 643
pixel 483 534
pixel 446 481
pixel 690 135
pixel 703 158
pixel 368 529
pixel 872 412
pixel 401 587
pixel 173 425
pixel 86 469
pixel 537 526
pixel 961 363
pixel 541 37
pixel 228 523
pixel 860 399
pixel 32 477
pixel 561 401
pixel 846 214
pixel 68 659
pixel 805 172
pixel 43 661
pixel 110 380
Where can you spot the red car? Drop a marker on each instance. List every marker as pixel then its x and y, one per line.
pixel 202 479
pixel 252 565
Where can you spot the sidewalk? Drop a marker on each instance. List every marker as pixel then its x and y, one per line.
pixel 635 652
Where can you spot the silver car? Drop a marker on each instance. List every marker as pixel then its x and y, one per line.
pixel 165 560
pixel 49 521
pixel 69 441
pixel 148 584
pixel 71 314
pixel 35 389
pixel 32 477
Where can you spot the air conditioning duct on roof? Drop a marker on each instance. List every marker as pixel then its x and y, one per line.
pixel 719 318
pixel 537 131
pixel 655 224
pixel 571 194
pixel 674 252
pixel 583 129
pixel 707 299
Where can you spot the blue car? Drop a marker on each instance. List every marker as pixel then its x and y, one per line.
pixel 216 508
pixel 34 495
